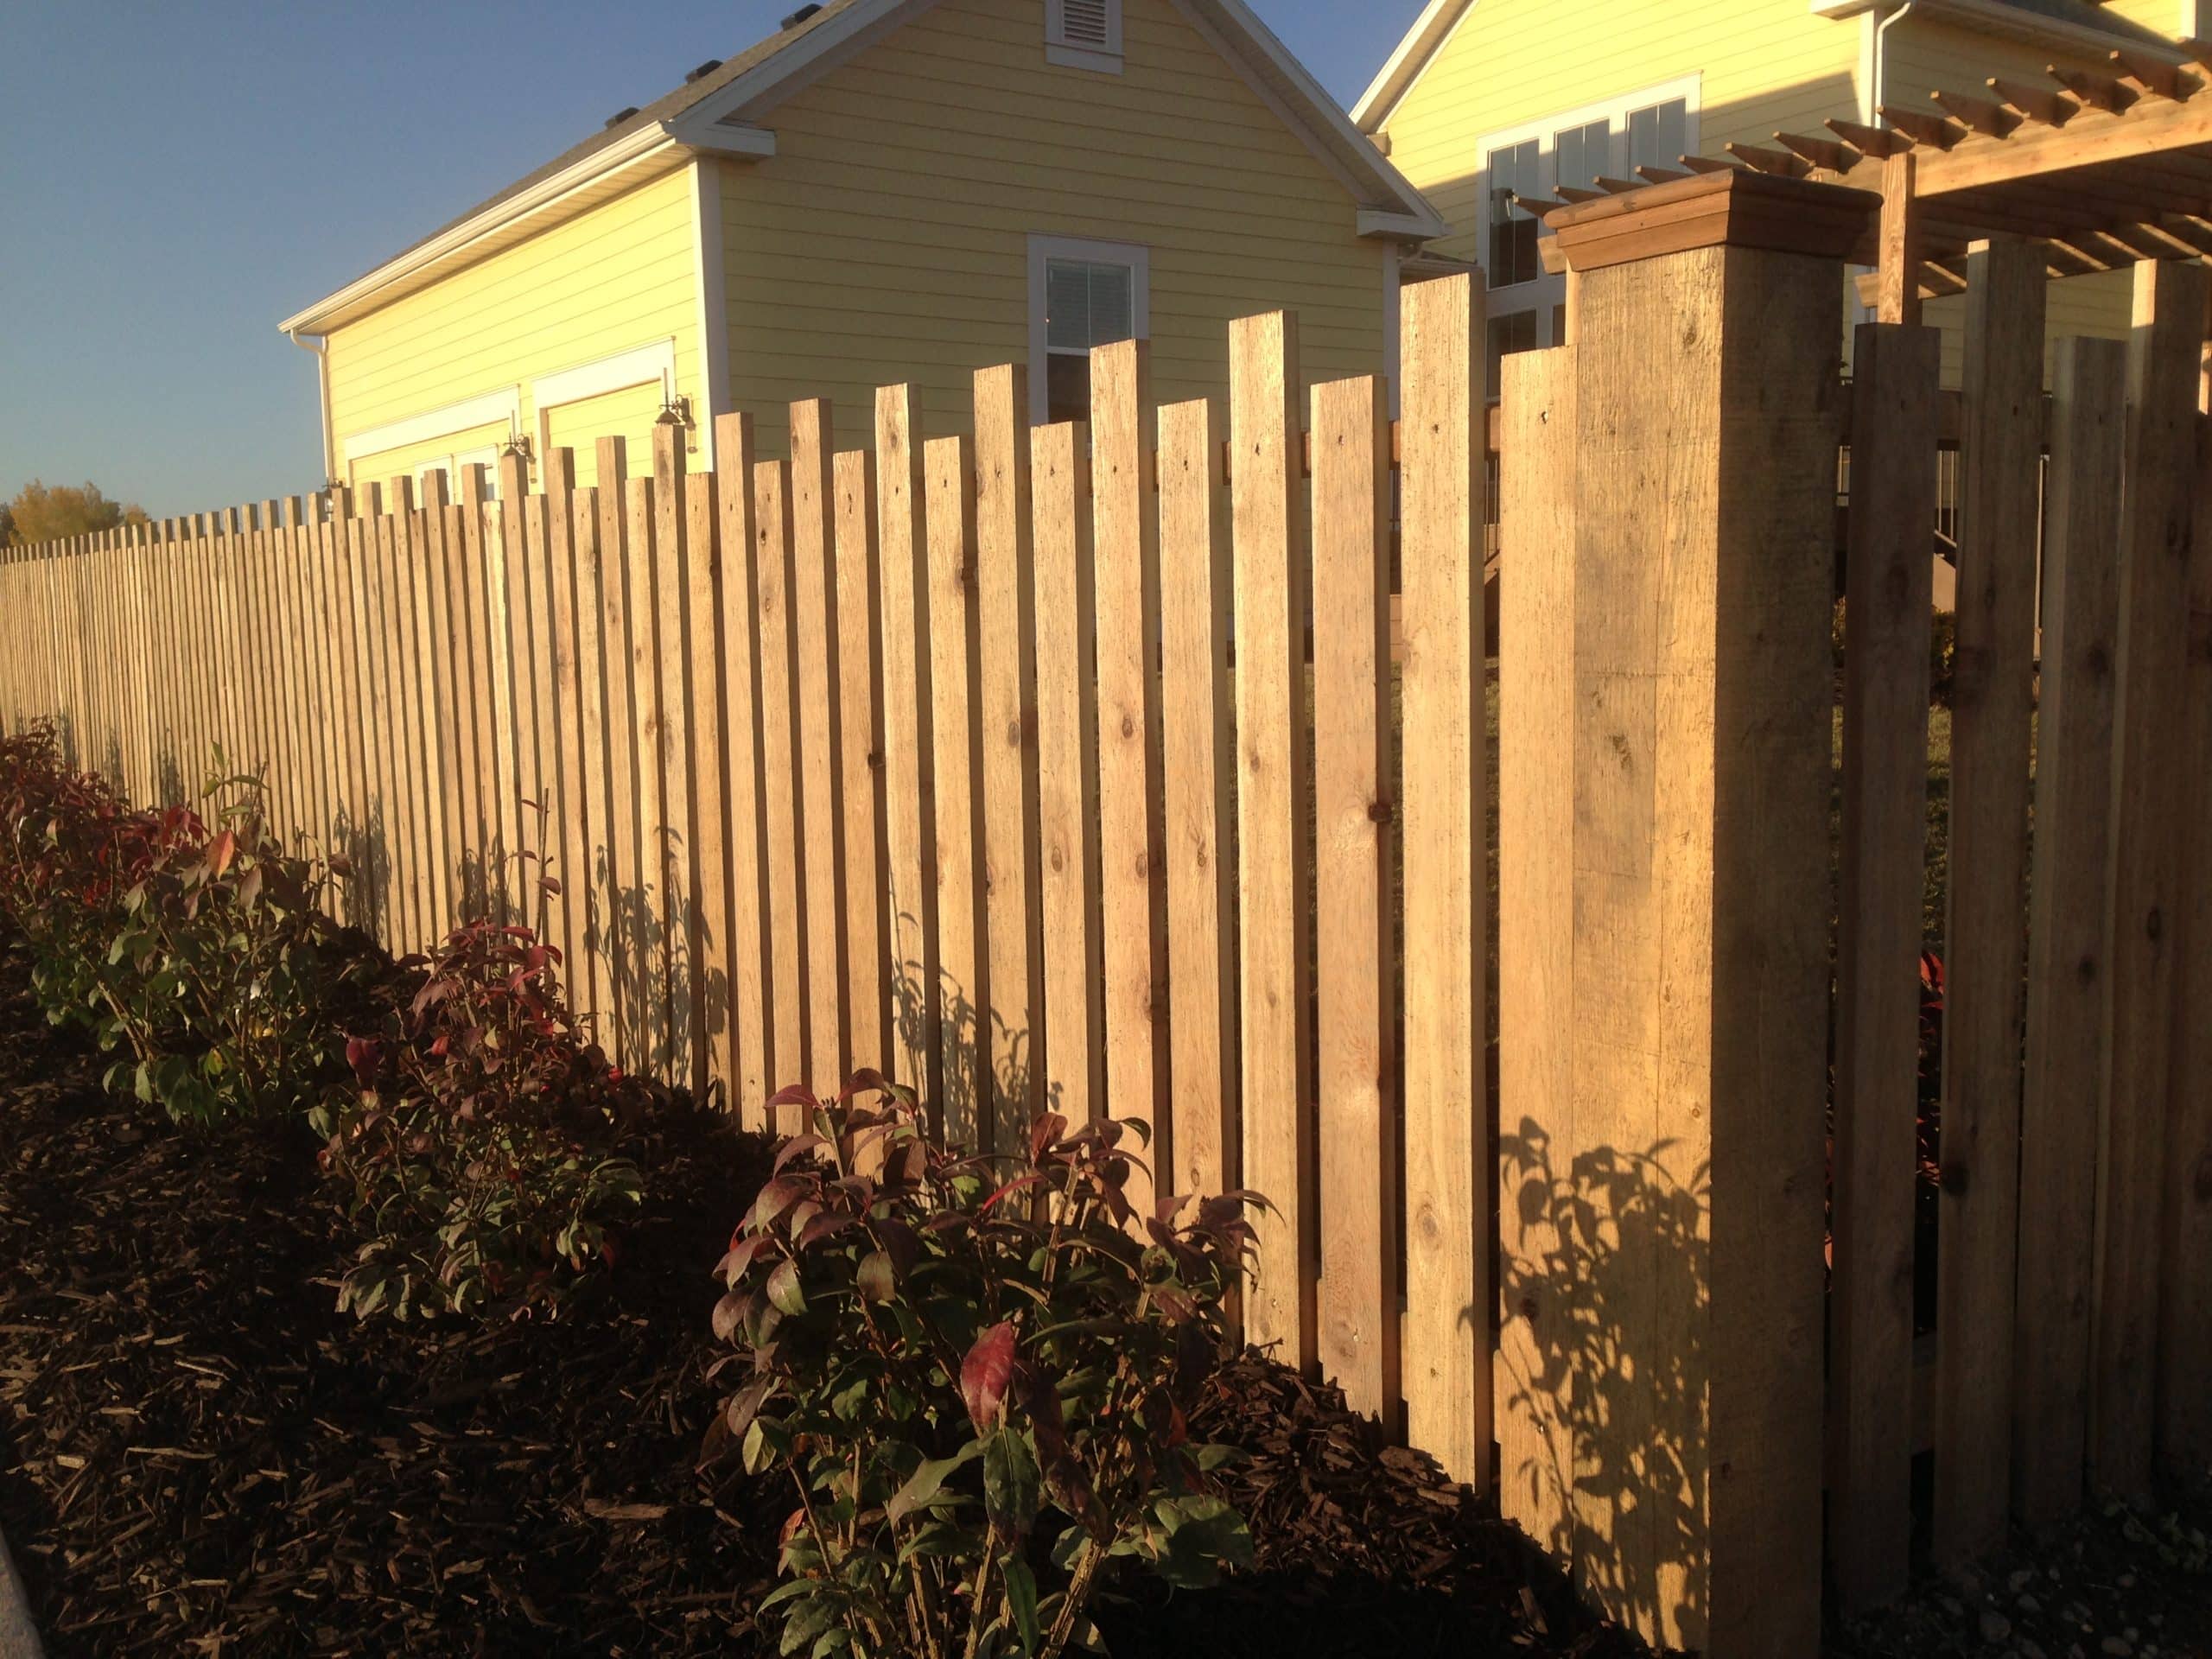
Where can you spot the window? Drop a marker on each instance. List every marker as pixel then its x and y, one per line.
pixel 1081 294
pixel 1567 150
pixel 1084 34
pixel 1583 155
pixel 1658 134
pixel 1514 332
pixel 1514 171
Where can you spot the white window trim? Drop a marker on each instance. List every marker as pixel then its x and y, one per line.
pixel 1548 290
pixel 490 407
pixel 1043 249
pixel 1067 53
pixel 713 303
pixel 654 363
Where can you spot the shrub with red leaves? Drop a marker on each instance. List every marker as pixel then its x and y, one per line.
pixel 977 1373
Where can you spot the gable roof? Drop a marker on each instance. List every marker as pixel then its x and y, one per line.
pixel 2081 24
pixel 721 111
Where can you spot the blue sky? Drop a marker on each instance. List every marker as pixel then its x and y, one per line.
pixel 174 178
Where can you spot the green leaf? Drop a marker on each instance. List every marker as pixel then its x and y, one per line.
pixel 923 1486
pixel 1012 1488
pixel 1022 1597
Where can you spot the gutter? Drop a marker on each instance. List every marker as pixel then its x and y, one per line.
pixel 1996 18
pixel 319 345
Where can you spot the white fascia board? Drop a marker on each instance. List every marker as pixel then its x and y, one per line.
pixel 639 146
pixel 1431 32
pixel 1995 17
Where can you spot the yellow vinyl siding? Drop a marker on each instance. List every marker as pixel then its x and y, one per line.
pixel 382 466
pixel 620 277
pixel 889 238
pixel 628 413
pixel 1763 65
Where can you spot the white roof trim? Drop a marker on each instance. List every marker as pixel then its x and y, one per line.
pixel 1415 51
pixel 1993 17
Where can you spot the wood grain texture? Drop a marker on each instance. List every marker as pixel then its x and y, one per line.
pixel 1985 936
pixel 587 888
pixel 749 1081
pixel 1886 619
pixel 1443 828
pixel 1006 704
pixel 2069 928
pixel 678 906
pixel 782 853
pixel 1701 748
pixel 2185 1320
pixel 642 943
pixel 859 757
pixel 624 851
pixel 1537 1350
pixel 1273 798
pixel 961 993
pixel 1197 751
pixel 814 613
pixel 570 855
pixel 1067 769
pixel 1355 1079
pixel 706 811
pixel 1125 543
pixel 910 812
pixel 2156 532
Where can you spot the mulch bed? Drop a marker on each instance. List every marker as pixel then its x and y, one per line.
pixel 198 1455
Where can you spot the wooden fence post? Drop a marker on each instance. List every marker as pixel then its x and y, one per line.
pixel 1702 756
pixel 1894 369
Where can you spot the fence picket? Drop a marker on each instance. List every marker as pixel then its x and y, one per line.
pixel 1355 1079
pixel 704 860
pixel 1125 568
pixel 2068 928
pixel 671 598
pixel 860 703
pixel 960 993
pixel 749 1078
pixel 1274 870
pixel 910 786
pixel 782 851
pixel 1886 621
pixel 1067 767
pixel 815 701
pixel 1197 750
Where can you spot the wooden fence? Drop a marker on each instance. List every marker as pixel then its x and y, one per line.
pixel 1079 767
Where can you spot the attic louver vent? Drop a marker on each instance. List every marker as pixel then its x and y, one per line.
pixel 1088 23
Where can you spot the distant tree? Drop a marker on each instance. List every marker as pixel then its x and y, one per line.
pixel 41 513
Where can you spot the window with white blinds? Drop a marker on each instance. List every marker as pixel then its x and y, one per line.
pixel 1085 34
pixel 1081 294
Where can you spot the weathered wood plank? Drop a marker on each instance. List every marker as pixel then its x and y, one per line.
pixel 1443 818
pixel 708 811
pixel 2157 520
pixel 1067 769
pixel 961 994
pixel 1985 930
pixel 1355 1077
pixel 1197 751
pixel 1274 798
pixel 679 992
pixel 1538 1346
pixel 2068 930
pixel 751 1078
pixel 1886 622
pixel 859 713
pixel 782 850
pixel 814 615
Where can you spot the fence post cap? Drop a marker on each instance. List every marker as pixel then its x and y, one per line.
pixel 1735 207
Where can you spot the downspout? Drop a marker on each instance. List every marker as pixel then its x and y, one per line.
pixel 319 345
pixel 1881 57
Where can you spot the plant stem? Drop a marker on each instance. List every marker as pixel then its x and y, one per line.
pixel 1079 1594
pixel 976 1619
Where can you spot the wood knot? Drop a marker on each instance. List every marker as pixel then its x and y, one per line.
pixel 1381 811
pixel 2154 924
pixel 2202 1185
pixel 1956 1181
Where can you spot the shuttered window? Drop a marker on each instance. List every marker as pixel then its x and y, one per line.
pixel 1081 294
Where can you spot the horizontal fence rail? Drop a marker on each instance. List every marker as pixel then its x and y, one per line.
pixel 1142 767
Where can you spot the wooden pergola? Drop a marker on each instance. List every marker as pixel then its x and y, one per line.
pixel 2103 169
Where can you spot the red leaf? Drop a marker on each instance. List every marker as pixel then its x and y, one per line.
pixel 797 1094
pixel 221 852
pixel 986 1373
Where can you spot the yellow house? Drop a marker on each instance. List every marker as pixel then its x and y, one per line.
pixel 1485 98
pixel 883 191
